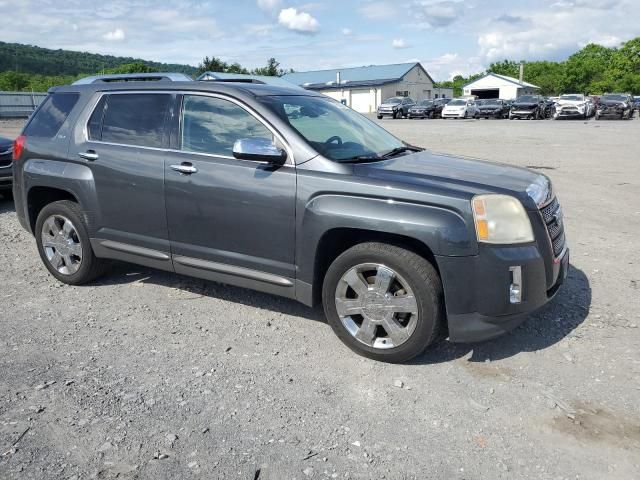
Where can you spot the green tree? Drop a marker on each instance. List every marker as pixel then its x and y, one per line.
pixel 586 68
pixel 134 67
pixel 213 64
pixel 505 67
pixel 271 70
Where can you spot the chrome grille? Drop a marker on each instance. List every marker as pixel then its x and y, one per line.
pixel 5 160
pixel 554 221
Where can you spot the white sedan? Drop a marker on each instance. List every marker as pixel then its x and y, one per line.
pixel 573 105
pixel 461 108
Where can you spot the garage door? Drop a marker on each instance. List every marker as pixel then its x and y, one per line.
pixel 361 101
pixel 486 93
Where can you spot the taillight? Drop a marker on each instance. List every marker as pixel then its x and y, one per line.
pixel 18 147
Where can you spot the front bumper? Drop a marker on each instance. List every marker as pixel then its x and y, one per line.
pixel 387 112
pixel 6 173
pixel 522 113
pixel 478 307
pixel 453 114
pixel 418 113
pixel 570 113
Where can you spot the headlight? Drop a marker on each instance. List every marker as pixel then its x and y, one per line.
pixel 501 219
pixel 539 190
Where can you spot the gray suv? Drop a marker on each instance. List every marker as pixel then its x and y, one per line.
pixel 395 107
pixel 292 193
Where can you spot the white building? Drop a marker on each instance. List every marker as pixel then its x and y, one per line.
pixel 364 88
pixel 493 85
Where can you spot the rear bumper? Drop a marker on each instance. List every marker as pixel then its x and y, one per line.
pixel 477 290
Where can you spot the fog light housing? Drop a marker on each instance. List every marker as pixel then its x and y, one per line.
pixel 515 288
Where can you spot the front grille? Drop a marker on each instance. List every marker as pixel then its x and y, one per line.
pixel 554 221
pixel 5 161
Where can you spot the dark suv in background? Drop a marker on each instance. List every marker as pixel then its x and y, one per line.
pixel 291 193
pixel 6 166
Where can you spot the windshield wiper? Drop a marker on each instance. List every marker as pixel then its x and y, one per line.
pixel 360 158
pixel 398 150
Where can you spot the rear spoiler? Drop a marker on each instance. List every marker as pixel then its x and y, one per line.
pixel 135 77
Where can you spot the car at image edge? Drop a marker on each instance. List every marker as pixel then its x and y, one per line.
pixel 6 166
pixel 294 194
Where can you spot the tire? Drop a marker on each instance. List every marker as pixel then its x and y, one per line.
pixel 411 270
pixel 89 267
pixel 379 117
pixel 7 195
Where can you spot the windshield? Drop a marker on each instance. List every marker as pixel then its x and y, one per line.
pixel 393 100
pixel 527 98
pixel 573 98
pixel 331 128
pixel 619 98
pixel 455 103
pixel 425 103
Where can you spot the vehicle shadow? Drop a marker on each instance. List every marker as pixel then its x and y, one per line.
pixel 548 326
pixel 194 288
pixel 6 204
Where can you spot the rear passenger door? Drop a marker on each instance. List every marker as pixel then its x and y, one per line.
pixel 124 146
pixel 230 220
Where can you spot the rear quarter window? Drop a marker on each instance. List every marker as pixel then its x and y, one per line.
pixel 48 119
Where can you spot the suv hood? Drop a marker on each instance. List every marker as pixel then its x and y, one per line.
pixel 388 105
pixel 439 171
pixel 493 106
pixel 613 103
pixel 524 104
pixel 571 102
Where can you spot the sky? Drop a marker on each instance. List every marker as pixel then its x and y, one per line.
pixel 449 37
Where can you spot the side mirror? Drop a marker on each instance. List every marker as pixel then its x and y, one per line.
pixel 258 150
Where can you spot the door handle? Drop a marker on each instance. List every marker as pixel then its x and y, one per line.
pixel 185 168
pixel 89 155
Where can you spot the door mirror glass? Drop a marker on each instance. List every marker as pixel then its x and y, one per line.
pixel 258 149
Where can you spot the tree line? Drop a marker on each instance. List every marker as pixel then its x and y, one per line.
pixel 592 70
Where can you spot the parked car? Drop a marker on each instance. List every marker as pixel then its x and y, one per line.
pixel 573 105
pixel 493 107
pixel 290 193
pixel 529 107
pixel 6 166
pixel 619 105
pixel 428 108
pixel 395 107
pixel 460 108
pixel 637 102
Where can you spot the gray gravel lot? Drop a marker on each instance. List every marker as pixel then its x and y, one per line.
pixel 146 374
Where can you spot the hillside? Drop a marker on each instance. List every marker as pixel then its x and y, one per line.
pixel 44 61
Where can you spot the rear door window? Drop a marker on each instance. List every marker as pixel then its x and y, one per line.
pixel 49 118
pixel 136 119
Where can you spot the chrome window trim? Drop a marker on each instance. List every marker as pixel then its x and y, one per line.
pixel 85 130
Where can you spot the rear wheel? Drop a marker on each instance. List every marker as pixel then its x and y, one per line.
pixel 63 244
pixel 7 194
pixel 384 302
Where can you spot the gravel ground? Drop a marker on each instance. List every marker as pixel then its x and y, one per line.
pixel 146 374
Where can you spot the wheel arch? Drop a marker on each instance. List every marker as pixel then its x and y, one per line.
pixel 39 197
pixel 336 241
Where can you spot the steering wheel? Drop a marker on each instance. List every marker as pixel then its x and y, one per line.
pixel 335 138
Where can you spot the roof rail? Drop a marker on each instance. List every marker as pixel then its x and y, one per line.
pixel 135 77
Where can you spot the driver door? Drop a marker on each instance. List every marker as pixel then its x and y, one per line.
pixel 228 219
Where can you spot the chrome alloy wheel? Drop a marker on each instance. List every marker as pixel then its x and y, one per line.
pixel 376 305
pixel 61 244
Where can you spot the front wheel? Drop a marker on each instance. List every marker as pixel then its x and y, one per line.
pixel 63 244
pixel 384 302
pixel 379 117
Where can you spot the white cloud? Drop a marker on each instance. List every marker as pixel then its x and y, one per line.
pixel 438 14
pixel 269 5
pixel 114 36
pixel 347 31
pixel 377 10
pixel 297 21
pixel 399 43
